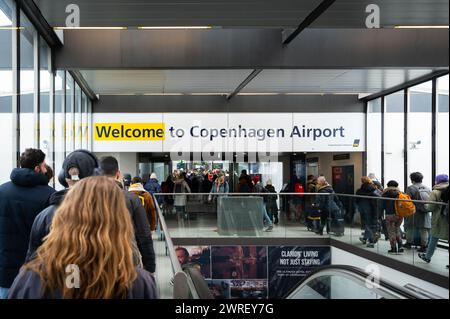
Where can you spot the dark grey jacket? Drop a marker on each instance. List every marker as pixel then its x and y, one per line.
pixel 42 223
pixel 21 200
pixel 28 285
pixel 422 217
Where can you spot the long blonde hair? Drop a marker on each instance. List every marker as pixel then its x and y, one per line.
pixel 92 229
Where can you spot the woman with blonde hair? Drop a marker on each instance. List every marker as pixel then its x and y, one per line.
pixel 90 250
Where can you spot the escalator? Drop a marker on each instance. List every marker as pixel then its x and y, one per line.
pixel 347 282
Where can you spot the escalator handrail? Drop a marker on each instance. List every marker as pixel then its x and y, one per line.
pixel 399 290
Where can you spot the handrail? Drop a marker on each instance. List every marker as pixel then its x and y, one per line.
pixel 180 276
pixel 399 290
pixel 301 194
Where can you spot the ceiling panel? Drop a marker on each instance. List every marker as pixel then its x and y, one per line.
pixel 331 81
pixel 163 81
pixel 244 13
pixel 268 81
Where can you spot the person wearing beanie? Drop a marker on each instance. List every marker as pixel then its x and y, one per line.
pixel 78 165
pixel 146 199
pixel 439 223
pixel 393 221
pixel 153 186
pixel 21 199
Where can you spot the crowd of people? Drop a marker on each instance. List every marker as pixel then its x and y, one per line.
pixel 90 240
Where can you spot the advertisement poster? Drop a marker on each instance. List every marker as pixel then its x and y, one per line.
pixel 239 262
pixel 288 265
pixel 198 256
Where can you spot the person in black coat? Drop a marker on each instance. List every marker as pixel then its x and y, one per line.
pixel 329 206
pixel 368 209
pixel 21 200
pixel 81 164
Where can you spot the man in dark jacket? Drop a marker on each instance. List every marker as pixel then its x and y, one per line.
pixel 328 205
pixel 110 167
pixel 21 200
pixel 81 164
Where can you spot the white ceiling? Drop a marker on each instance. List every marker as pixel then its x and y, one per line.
pixel 123 82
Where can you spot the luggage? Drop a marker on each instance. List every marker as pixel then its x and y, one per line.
pixel 336 226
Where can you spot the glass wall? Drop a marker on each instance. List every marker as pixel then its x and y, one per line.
pixel 442 128
pixel 418 145
pixel 28 121
pixel 45 116
pixel 394 138
pixel 60 142
pixel 77 117
pixel 70 111
pixel 84 121
pixel 374 137
pixel 7 153
pixel 419 131
pixel 42 104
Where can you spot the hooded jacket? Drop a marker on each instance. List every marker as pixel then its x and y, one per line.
pixel 368 206
pixel 328 204
pixel 42 223
pixel 439 224
pixel 147 201
pixel 21 200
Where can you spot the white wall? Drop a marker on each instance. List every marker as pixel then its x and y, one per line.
pixel 127 162
pixel 326 163
pixel 341 257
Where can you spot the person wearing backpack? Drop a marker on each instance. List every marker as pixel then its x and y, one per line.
pixel 147 200
pixel 439 223
pixel 420 222
pixel 393 220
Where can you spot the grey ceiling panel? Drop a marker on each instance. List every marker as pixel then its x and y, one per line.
pixel 245 13
pixel 268 81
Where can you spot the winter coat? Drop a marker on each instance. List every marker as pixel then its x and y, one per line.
pixel 21 200
pixel 389 205
pixel 152 186
pixel 180 187
pixel 245 184
pixel 439 224
pixel 271 200
pixel 422 217
pixel 28 284
pixel 42 223
pixel 149 205
pixel 368 207
pixel 328 204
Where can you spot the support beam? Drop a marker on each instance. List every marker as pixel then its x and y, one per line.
pixel 78 77
pixel 241 86
pixel 317 12
pixel 35 16
pixel 253 49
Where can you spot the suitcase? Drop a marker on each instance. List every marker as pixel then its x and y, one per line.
pixel 336 226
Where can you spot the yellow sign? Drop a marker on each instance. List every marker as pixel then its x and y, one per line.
pixel 130 131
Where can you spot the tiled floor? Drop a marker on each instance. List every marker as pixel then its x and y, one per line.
pixel 206 224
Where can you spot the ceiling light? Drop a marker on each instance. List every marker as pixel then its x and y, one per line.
pixel 90 28
pixel 421 27
pixel 263 93
pixel 176 28
pixel 4 20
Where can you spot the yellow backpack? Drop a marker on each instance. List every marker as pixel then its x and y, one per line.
pixel 404 208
